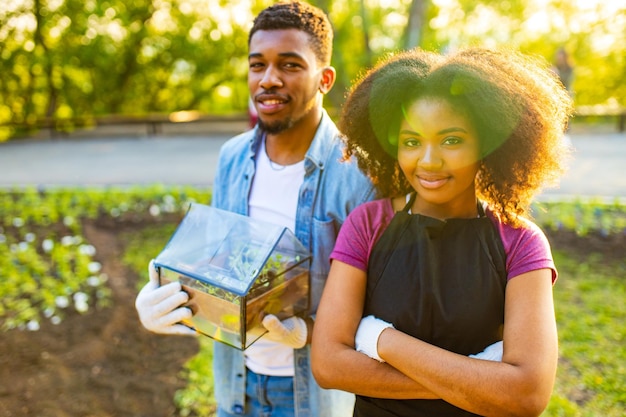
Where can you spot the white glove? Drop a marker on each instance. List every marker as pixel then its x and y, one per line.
pixel 491 353
pixel 160 307
pixel 291 332
pixel 366 339
pixel 370 329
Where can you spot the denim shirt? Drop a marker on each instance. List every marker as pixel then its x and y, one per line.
pixel 331 189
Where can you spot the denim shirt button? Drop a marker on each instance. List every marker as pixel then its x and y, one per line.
pixel 238 409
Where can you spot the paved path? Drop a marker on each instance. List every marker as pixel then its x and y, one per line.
pixel 184 160
pixel 597 170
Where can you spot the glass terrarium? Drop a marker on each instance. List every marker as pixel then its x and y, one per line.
pixel 236 270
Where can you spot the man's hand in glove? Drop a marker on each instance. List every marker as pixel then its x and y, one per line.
pixel 160 307
pixel 291 332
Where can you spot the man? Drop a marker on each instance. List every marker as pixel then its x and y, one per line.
pixel 286 170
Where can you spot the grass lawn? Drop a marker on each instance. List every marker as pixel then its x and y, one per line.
pixel 590 305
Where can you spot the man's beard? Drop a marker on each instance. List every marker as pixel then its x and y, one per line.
pixel 276 126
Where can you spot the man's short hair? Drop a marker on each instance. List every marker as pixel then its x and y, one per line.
pixel 301 16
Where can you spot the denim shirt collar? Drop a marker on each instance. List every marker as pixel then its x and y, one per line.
pixel 318 150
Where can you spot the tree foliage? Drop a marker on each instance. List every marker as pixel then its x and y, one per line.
pixel 67 59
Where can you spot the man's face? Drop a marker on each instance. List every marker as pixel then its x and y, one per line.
pixel 284 78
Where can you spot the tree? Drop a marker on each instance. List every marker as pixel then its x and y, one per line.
pixel 77 59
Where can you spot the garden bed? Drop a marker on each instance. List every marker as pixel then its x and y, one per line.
pixel 100 363
pixel 103 363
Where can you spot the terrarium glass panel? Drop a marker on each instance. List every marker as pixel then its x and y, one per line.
pixel 236 270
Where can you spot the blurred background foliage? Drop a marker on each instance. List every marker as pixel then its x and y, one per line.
pixel 79 59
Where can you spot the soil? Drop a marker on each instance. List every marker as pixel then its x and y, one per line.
pixel 104 364
pixel 99 364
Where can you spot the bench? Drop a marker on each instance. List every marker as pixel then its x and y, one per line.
pixel 151 124
pixel 604 111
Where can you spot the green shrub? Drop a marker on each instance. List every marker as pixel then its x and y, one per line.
pixel 582 216
pixel 46 265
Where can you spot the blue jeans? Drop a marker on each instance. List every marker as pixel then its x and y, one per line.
pixel 266 396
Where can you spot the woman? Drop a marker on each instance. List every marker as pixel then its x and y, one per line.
pixel 448 263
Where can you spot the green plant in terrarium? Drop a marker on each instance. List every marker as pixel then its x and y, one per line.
pixel 236 270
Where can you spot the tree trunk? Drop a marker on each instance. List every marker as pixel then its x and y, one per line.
pixel 48 67
pixel 417 16
pixel 366 36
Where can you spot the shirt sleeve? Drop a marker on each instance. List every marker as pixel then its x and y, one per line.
pixel 527 249
pixel 360 232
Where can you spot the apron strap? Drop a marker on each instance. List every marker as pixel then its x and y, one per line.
pixel 480 208
pixel 410 199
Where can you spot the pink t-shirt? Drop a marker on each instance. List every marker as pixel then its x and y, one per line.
pixel 527 248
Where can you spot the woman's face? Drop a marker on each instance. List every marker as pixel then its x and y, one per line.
pixel 438 152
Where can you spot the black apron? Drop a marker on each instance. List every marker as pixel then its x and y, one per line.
pixel 442 282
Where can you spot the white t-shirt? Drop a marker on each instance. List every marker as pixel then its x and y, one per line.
pixel 273 198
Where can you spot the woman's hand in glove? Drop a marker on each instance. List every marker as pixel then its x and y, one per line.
pixel 370 329
pixel 491 353
pixel 366 339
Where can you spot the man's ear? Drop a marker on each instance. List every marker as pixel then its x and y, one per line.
pixel 327 80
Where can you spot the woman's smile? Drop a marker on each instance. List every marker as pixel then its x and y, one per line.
pixel 432 181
